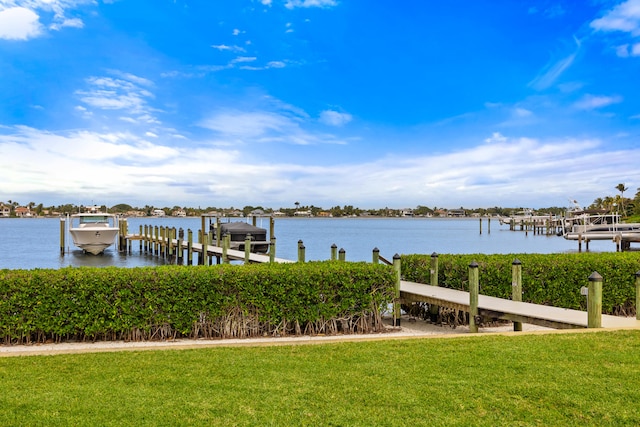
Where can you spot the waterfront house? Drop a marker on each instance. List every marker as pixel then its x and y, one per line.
pixel 23 212
pixel 5 210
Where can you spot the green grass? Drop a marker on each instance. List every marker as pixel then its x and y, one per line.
pixel 542 380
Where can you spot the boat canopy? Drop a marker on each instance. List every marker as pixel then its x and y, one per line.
pixel 239 231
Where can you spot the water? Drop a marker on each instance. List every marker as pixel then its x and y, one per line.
pixel 35 243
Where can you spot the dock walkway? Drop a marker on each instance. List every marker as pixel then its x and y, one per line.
pixel 498 308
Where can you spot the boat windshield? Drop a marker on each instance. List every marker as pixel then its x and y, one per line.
pixel 94 220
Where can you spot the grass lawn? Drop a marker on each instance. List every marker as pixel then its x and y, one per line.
pixel 541 380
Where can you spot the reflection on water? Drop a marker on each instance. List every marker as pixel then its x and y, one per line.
pixel 35 243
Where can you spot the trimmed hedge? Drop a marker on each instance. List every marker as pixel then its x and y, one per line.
pixel 192 301
pixel 549 279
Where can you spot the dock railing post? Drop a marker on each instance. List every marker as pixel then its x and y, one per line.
pixel 594 301
pixel 334 252
pixel 63 228
pixel 225 247
pixel 272 249
pixel 396 300
pixel 638 295
pixel 189 247
pixel 474 288
pixel 375 256
pixel 300 251
pixel 433 281
pixel 247 248
pixel 516 287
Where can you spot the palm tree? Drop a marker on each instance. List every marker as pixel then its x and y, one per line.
pixel 622 188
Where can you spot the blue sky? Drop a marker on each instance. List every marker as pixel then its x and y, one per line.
pixel 323 102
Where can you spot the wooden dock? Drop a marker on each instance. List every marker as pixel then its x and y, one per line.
pixel 161 245
pixel 498 308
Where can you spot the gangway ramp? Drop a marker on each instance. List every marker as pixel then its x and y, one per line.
pixel 498 308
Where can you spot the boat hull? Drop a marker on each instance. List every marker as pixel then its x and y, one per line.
pixel 94 241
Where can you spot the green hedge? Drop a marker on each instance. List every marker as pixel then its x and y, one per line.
pixel 549 279
pixel 192 301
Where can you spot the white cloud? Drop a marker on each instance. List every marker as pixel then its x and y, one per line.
pixel 125 93
pixel 20 20
pixel 146 171
pixel 591 102
pixel 233 48
pixel 19 23
pixel 334 118
pixel 292 4
pixel 624 17
pixel 552 72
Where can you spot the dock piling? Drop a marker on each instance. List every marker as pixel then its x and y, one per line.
pixel 474 289
pixel 594 301
pixel 63 228
pixel 433 281
pixel 396 300
pixel 638 295
pixel 516 287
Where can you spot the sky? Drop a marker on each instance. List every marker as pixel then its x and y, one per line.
pixel 463 103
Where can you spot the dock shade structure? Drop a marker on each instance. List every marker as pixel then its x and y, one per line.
pixel 238 232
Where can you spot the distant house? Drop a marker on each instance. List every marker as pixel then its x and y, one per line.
pixel 23 212
pixel 302 213
pixel 456 213
pixel 5 211
pixel 179 213
pixel 157 212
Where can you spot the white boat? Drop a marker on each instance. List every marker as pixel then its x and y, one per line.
pixel 600 226
pixel 93 232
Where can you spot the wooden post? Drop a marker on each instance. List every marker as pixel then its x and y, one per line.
pixel 396 300
pixel 63 228
pixel 376 256
pixel 474 288
pixel 480 225
pixel 272 249
pixel 594 301
pixel 225 247
pixel 516 287
pixel 140 242
pixel 433 280
pixel 638 295
pixel 180 250
pixel 334 252
pixel 218 231
pixel 189 247
pixel 301 251
pixel 247 248
pixel 488 225
pixel 272 227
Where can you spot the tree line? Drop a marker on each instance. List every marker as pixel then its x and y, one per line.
pixel 626 207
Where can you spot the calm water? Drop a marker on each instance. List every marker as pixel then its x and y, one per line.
pixel 35 243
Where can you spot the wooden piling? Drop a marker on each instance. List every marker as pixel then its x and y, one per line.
pixel 474 288
pixel 272 249
pixel 342 255
pixel 247 247
pixel 63 228
pixel 334 252
pixel 375 256
pixel 433 281
pixel 594 301
pixel 189 247
pixel 480 225
pixel 516 287
pixel 301 251
pixel 396 300
pixel 638 295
